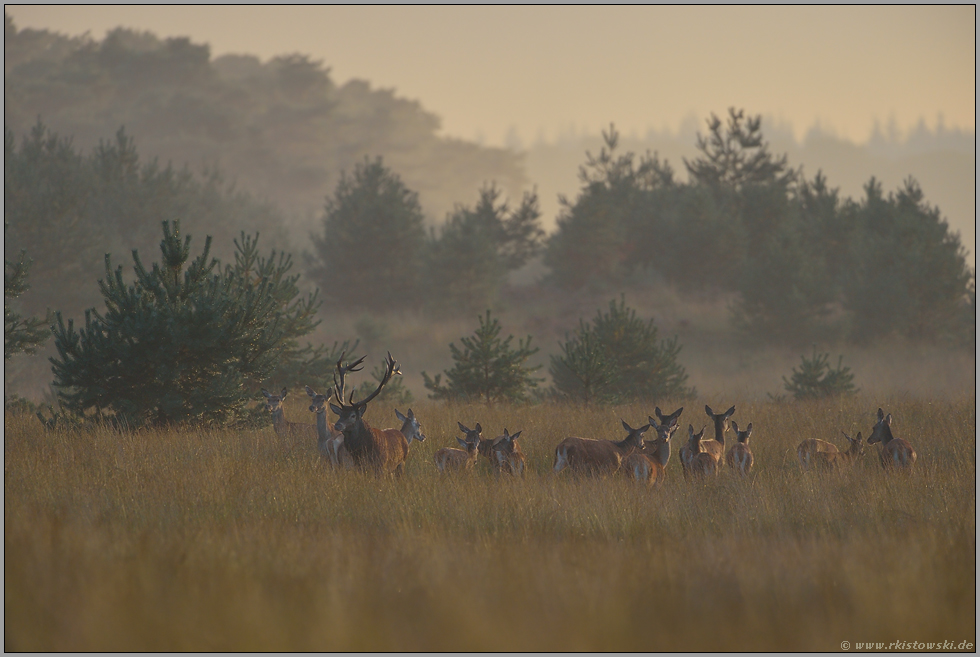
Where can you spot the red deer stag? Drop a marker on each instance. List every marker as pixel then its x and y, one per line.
pixel 895 452
pixel 825 456
pixel 507 454
pixel 594 457
pixel 740 457
pixel 649 465
pixel 450 459
pixel 383 450
pixel 289 433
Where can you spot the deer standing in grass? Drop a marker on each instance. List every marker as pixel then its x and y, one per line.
pixel 715 446
pixel 382 450
pixel 450 459
pixel 740 457
pixel 594 457
pixel 507 454
pixel 702 463
pixel 650 464
pixel 895 452
pixel 331 442
pixel 289 433
pixel 825 456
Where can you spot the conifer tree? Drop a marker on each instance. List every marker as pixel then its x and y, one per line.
pixel 617 358
pixel 487 368
pixel 187 341
pixel 20 334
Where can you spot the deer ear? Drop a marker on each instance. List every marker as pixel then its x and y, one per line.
pixel 626 426
pixel 707 409
pixel 676 414
pixel 881 415
pixel 730 412
pixel 462 442
pixel 283 395
pixel 266 393
pixel 888 419
pixel 659 414
pixel 310 391
pixel 335 409
pixel 514 436
pixel 858 439
pixel 735 426
pixel 462 427
pixel 411 413
pixel 479 429
pixel 401 417
pixel 748 429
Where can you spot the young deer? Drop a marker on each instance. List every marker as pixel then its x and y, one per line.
pixel 895 452
pixel 649 464
pixel 289 433
pixel 591 456
pixel 702 463
pixel 450 459
pixel 740 457
pixel 716 446
pixel 508 455
pixel 821 454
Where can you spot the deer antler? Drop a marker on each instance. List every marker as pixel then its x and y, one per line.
pixel 390 369
pixel 343 371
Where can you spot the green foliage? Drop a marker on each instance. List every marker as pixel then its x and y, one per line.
pixel 69 209
pixel 487 368
pixel 816 379
pixel 20 334
pixel 906 273
pixel 593 243
pixel 370 252
pixel 469 260
pixel 188 341
pixel 618 358
pixel 281 127
pixel 737 155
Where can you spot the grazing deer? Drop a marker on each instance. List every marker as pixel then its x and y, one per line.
pixel 826 456
pixel 740 457
pixel 450 459
pixel 508 455
pixel 649 464
pixel 383 450
pixel 591 456
pixel 895 452
pixel 288 432
pixel 702 463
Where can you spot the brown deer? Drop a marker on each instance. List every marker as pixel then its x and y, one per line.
pixel 720 421
pixel 740 457
pixel 702 463
pixel 649 464
pixel 382 450
pixel 289 433
pixel 894 452
pixel 450 459
pixel 507 454
pixel 825 456
pixel 594 457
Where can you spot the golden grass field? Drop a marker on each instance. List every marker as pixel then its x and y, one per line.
pixel 190 540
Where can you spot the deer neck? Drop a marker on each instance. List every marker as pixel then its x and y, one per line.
pixel 358 437
pixel 720 431
pixel 278 420
pixel 886 434
pixel 322 432
pixel 663 452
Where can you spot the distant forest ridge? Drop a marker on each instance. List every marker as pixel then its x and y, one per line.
pixel 284 131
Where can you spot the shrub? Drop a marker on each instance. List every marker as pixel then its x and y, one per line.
pixel 816 379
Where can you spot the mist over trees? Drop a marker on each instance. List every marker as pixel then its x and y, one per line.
pixel 739 223
pixel 282 129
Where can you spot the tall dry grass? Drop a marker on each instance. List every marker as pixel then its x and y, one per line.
pixel 169 540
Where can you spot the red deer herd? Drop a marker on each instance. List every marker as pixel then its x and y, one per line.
pixel 352 443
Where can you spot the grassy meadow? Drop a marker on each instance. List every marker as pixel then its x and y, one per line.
pixel 224 541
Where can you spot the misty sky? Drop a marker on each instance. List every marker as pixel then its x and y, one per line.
pixel 536 72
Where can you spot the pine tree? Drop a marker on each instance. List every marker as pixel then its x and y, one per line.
pixel 618 358
pixel 487 368
pixel 187 341
pixel 816 379
pixel 20 334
